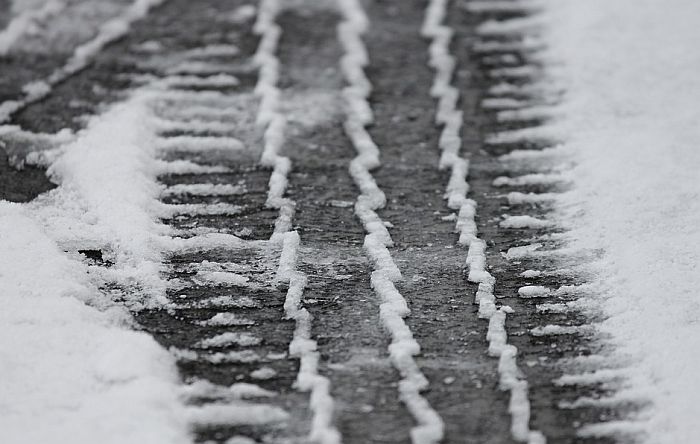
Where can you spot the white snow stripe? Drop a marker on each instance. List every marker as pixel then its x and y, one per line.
pixel 214 50
pixel 450 117
pixel 524 222
pixel 230 338
pixel 450 144
pixel 187 167
pixel 201 388
pixel 269 116
pixel 556 330
pixel 214 81
pixel 241 357
pixel 195 67
pixel 525 45
pixel 527 114
pixel 615 428
pixel 207 241
pixel 532 155
pixel 591 378
pixel 525 72
pixel 518 198
pixel 530 179
pixel 194 111
pixel 393 308
pixel 545 135
pixel 504 103
pixel 207 102
pixel 184 80
pixel 199 143
pixel 225 319
pixel 235 413
pixel 197 124
pixel 216 209
pixel 222 279
pixel 302 345
pixel 203 189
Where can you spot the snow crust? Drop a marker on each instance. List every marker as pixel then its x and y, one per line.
pixel 630 122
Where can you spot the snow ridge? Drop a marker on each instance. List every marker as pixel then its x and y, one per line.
pixel 302 346
pixel 450 142
pixel 110 31
pixel 393 309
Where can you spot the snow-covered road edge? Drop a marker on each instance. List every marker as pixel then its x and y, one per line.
pixel 73 373
pixel 629 119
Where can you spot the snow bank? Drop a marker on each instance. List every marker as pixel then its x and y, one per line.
pixel 630 117
pixel 72 373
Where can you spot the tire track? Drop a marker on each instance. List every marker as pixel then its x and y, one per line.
pixel 302 345
pixel 516 177
pixel 448 115
pixel 346 323
pixel 393 308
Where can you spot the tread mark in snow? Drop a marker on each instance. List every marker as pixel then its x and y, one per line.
pixel 450 143
pixel 393 308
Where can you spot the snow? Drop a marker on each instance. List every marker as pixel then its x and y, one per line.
pixel 590 378
pixel 235 413
pixel 203 389
pixel 524 221
pixel 230 338
pixel 263 373
pixel 273 122
pixel 226 320
pixel 221 278
pixel 630 119
pixel 114 27
pixel 169 211
pixel 554 330
pixel 200 143
pixel 120 217
pixel 518 198
pixel 530 179
pixel 187 167
pixel 73 371
pixel 393 309
pixel 190 81
pixel 534 291
pixel 204 189
pixel 226 302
